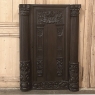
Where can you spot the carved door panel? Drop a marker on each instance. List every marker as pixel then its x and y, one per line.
pixel 51 52
pixel 49 46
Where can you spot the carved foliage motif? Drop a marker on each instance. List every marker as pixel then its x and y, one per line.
pixel 39 52
pixel 60 31
pixel 75 10
pixel 49 16
pixel 25 74
pixel 24 9
pixel 59 51
pixel 40 68
pixel 51 85
pixel 59 66
pixel 74 76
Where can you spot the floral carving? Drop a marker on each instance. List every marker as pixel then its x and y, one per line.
pixel 25 75
pixel 40 32
pixel 39 67
pixel 51 85
pixel 60 31
pixel 59 66
pixel 74 76
pixel 39 52
pixel 49 16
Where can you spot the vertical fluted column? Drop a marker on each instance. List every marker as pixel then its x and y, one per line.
pixel 25 80
pixel 74 65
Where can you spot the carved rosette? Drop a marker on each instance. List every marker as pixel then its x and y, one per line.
pixel 74 77
pixel 25 75
pixel 24 9
pixel 75 10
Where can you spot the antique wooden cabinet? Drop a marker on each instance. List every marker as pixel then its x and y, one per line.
pixel 49 47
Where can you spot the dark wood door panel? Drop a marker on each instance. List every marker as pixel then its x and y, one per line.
pixel 51 52
pixel 49 47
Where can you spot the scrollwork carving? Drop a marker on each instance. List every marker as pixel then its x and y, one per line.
pixel 59 66
pixel 40 32
pixel 74 76
pixel 51 85
pixel 39 67
pixel 75 10
pixel 39 52
pixel 49 16
pixel 25 75
pixel 24 9
pixel 60 31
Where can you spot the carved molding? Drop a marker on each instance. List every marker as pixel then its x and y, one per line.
pixel 49 16
pixel 9 24
pixel 74 76
pixel 51 85
pixel 75 10
pixel 24 9
pixel 25 75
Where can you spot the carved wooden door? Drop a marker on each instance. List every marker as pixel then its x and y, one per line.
pixel 51 48
pixel 48 40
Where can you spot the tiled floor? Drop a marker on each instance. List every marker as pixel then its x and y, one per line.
pixel 18 92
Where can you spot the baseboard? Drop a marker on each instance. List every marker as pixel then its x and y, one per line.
pixel 87 88
pixel 13 88
pixel 17 88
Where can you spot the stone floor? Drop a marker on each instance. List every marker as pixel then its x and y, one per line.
pixel 18 92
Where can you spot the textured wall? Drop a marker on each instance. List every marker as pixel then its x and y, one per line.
pixel 9 40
